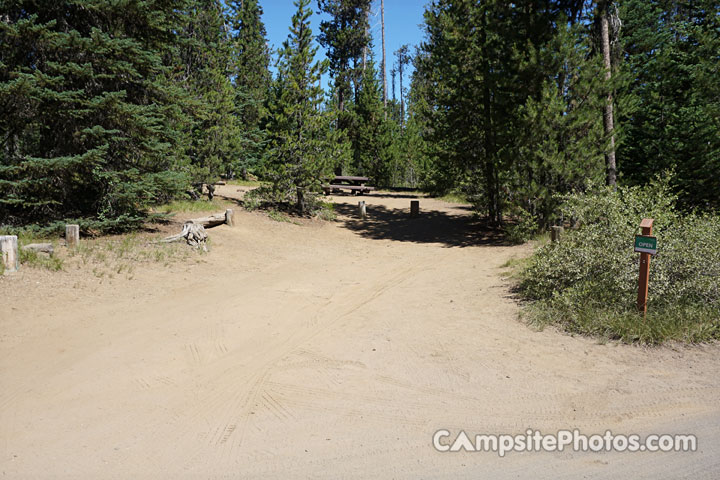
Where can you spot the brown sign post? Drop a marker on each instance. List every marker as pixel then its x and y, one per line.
pixel 646 226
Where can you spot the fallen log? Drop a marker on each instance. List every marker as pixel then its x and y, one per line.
pixel 39 247
pixel 211 221
pixel 216 219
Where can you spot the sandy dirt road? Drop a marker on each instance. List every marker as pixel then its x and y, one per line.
pixel 327 350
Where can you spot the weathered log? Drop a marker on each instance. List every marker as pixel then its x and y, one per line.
pixel 9 249
pixel 39 247
pixel 211 221
pixel 72 235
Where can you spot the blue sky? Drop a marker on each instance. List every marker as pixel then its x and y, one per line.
pixel 402 25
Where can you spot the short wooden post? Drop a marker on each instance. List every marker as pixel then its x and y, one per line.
pixel 362 210
pixel 72 235
pixel 414 208
pixel 229 217
pixel 646 226
pixel 556 233
pixel 9 249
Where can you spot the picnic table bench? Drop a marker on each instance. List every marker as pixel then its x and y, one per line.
pixel 353 184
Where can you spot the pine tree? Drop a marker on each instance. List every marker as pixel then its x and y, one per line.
pixel 205 65
pixel 372 134
pixel 91 128
pixel 251 79
pixel 304 146
pixel 487 80
pixel 468 57
pixel 563 139
pixel 672 53
pixel 345 36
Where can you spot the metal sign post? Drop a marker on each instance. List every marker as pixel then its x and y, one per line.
pixel 646 245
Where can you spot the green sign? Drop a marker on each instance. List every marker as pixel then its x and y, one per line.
pixel 646 244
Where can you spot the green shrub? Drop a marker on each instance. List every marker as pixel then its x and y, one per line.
pixel 588 282
pixel 41 260
pixel 523 228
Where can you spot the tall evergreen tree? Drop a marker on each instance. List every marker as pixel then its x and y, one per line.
pixel 305 147
pixel 671 49
pixel 91 127
pixel 372 134
pixel 204 63
pixel 468 58
pixel 251 79
pixel 562 142
pixel 510 93
pixel 345 36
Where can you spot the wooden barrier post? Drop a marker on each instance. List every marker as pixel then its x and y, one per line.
pixel 556 233
pixel 230 217
pixel 9 249
pixel 646 226
pixel 362 211
pixel 414 208
pixel 72 235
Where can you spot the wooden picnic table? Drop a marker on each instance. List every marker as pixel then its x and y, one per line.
pixel 354 184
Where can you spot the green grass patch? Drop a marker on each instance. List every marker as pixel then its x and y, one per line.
pixel 41 260
pixel 195 206
pixel 454 197
pixel 663 323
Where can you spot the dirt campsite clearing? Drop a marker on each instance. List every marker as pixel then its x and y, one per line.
pixel 327 350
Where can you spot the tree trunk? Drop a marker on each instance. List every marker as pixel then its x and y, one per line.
pixel 300 200
pixel 608 110
pixel 384 58
pixel 491 175
pixel 402 100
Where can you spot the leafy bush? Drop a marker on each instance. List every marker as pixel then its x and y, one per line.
pixel 588 282
pixel 524 227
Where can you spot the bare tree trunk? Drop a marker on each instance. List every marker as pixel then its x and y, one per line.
pixel 608 110
pixel 384 58
pixel 402 99
pixel 489 147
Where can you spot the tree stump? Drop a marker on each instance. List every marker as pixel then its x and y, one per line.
pixel 193 233
pixel 9 249
pixel 230 217
pixel 72 235
pixel 556 233
pixel 414 208
pixel 362 210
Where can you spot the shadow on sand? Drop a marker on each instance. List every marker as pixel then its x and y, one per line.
pixel 432 226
